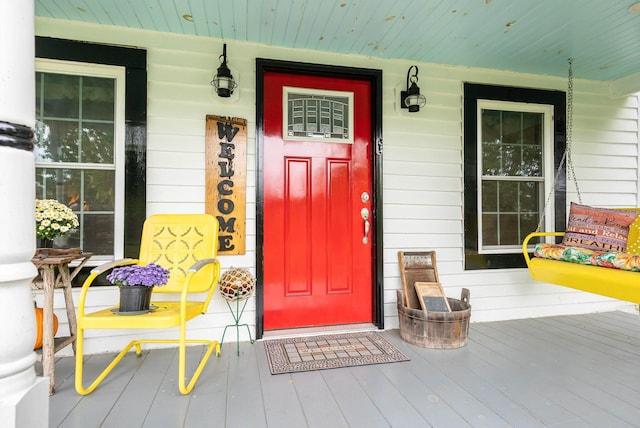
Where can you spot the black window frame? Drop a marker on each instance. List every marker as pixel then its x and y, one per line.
pixel 473 92
pixel 134 60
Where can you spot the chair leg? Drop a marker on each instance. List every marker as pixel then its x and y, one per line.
pixel 182 359
pixel 80 363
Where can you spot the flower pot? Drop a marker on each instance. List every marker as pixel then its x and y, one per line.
pixel 135 298
pixel 44 243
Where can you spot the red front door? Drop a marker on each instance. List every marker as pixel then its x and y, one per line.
pixel 317 193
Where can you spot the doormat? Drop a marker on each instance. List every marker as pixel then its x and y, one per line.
pixel 299 354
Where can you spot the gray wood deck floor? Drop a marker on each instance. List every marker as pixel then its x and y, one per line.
pixel 573 371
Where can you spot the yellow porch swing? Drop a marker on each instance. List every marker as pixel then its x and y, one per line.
pixel 605 281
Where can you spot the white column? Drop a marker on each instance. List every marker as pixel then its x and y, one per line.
pixel 24 398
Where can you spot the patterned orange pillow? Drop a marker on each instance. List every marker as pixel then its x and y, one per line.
pixel 563 253
pixel 549 251
pixel 623 261
pixel 599 229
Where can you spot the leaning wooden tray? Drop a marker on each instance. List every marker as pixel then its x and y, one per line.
pixel 432 298
pixel 416 266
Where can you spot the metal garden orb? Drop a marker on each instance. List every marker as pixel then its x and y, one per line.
pixel 236 284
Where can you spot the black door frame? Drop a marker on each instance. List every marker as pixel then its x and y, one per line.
pixel 374 77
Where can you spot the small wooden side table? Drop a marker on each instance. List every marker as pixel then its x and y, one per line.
pixel 53 269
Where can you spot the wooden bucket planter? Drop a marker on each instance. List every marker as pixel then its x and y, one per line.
pixel 436 330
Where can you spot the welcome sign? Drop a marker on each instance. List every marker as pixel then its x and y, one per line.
pixel 226 180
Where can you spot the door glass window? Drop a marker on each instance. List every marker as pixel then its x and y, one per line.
pixel 317 115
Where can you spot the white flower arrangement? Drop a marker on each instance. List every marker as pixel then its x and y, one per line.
pixel 54 219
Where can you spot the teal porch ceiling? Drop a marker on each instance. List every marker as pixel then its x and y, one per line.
pixel 603 36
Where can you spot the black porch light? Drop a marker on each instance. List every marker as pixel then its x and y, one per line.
pixel 223 80
pixel 411 98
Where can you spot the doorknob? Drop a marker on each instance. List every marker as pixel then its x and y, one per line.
pixel 364 213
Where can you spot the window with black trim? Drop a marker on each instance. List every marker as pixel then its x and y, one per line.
pixel 79 151
pixel 134 145
pixel 514 139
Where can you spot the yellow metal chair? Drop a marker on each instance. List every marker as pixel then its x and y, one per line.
pixel 185 244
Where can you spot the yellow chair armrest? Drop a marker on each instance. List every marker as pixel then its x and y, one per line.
pixel 110 265
pixel 525 243
pixel 200 264
pixel 193 269
pixel 98 270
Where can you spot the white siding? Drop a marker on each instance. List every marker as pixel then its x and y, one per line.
pixel 423 167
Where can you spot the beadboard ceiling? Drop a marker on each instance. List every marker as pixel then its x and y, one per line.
pixel 532 36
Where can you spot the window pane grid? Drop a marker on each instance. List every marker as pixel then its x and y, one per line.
pixel 514 215
pixel 511 174
pixel 511 143
pixel 74 151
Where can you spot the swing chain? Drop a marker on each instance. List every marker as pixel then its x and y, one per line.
pixel 566 156
pixel 570 169
pixel 552 191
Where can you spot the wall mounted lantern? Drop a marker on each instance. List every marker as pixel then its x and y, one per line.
pixel 411 98
pixel 223 80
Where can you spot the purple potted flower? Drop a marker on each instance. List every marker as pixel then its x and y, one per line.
pixel 136 283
